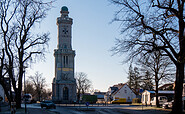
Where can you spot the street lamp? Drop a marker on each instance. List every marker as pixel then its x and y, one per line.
pixel 25 93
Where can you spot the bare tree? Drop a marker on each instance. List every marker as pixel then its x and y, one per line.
pixel 160 67
pixel 154 25
pixel 39 83
pixel 83 84
pixel 29 88
pixel 46 95
pixel 19 44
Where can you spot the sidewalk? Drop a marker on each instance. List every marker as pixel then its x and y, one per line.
pixel 4 107
pixel 19 111
pixel 147 108
pixel 30 111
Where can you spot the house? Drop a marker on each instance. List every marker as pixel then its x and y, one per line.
pixel 111 90
pixel 124 92
pixel 100 97
pixel 120 91
pixel 148 95
pixel 108 96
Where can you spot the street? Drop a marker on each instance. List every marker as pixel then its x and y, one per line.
pixel 95 109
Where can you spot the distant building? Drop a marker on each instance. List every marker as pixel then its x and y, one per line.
pixel 148 95
pixel 100 96
pixel 120 91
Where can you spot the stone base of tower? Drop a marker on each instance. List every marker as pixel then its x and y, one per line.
pixel 64 92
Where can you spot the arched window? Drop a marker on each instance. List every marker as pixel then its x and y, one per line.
pixel 65 93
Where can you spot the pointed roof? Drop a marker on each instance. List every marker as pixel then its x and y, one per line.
pixel 120 86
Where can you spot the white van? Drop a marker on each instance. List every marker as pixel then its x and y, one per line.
pixel 162 99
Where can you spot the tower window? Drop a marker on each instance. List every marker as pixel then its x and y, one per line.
pixel 65 31
pixel 65 93
pixel 65 46
pixel 65 61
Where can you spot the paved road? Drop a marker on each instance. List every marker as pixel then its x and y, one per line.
pixel 108 110
pixel 95 109
pixel 111 109
pixel 39 111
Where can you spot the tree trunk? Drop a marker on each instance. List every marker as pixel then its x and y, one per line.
pixel 39 95
pixel 177 107
pixel 18 98
pixel 19 89
pixel 157 94
pixel 78 97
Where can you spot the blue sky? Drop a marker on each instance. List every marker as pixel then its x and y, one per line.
pixel 92 38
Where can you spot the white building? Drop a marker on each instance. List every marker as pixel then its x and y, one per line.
pixel 148 95
pixel 121 91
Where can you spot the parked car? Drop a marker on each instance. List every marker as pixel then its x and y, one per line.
pixel 168 104
pixel 47 104
pixel 162 100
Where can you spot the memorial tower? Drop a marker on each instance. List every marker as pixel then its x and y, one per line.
pixel 64 83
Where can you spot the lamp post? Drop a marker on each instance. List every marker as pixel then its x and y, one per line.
pixel 25 93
